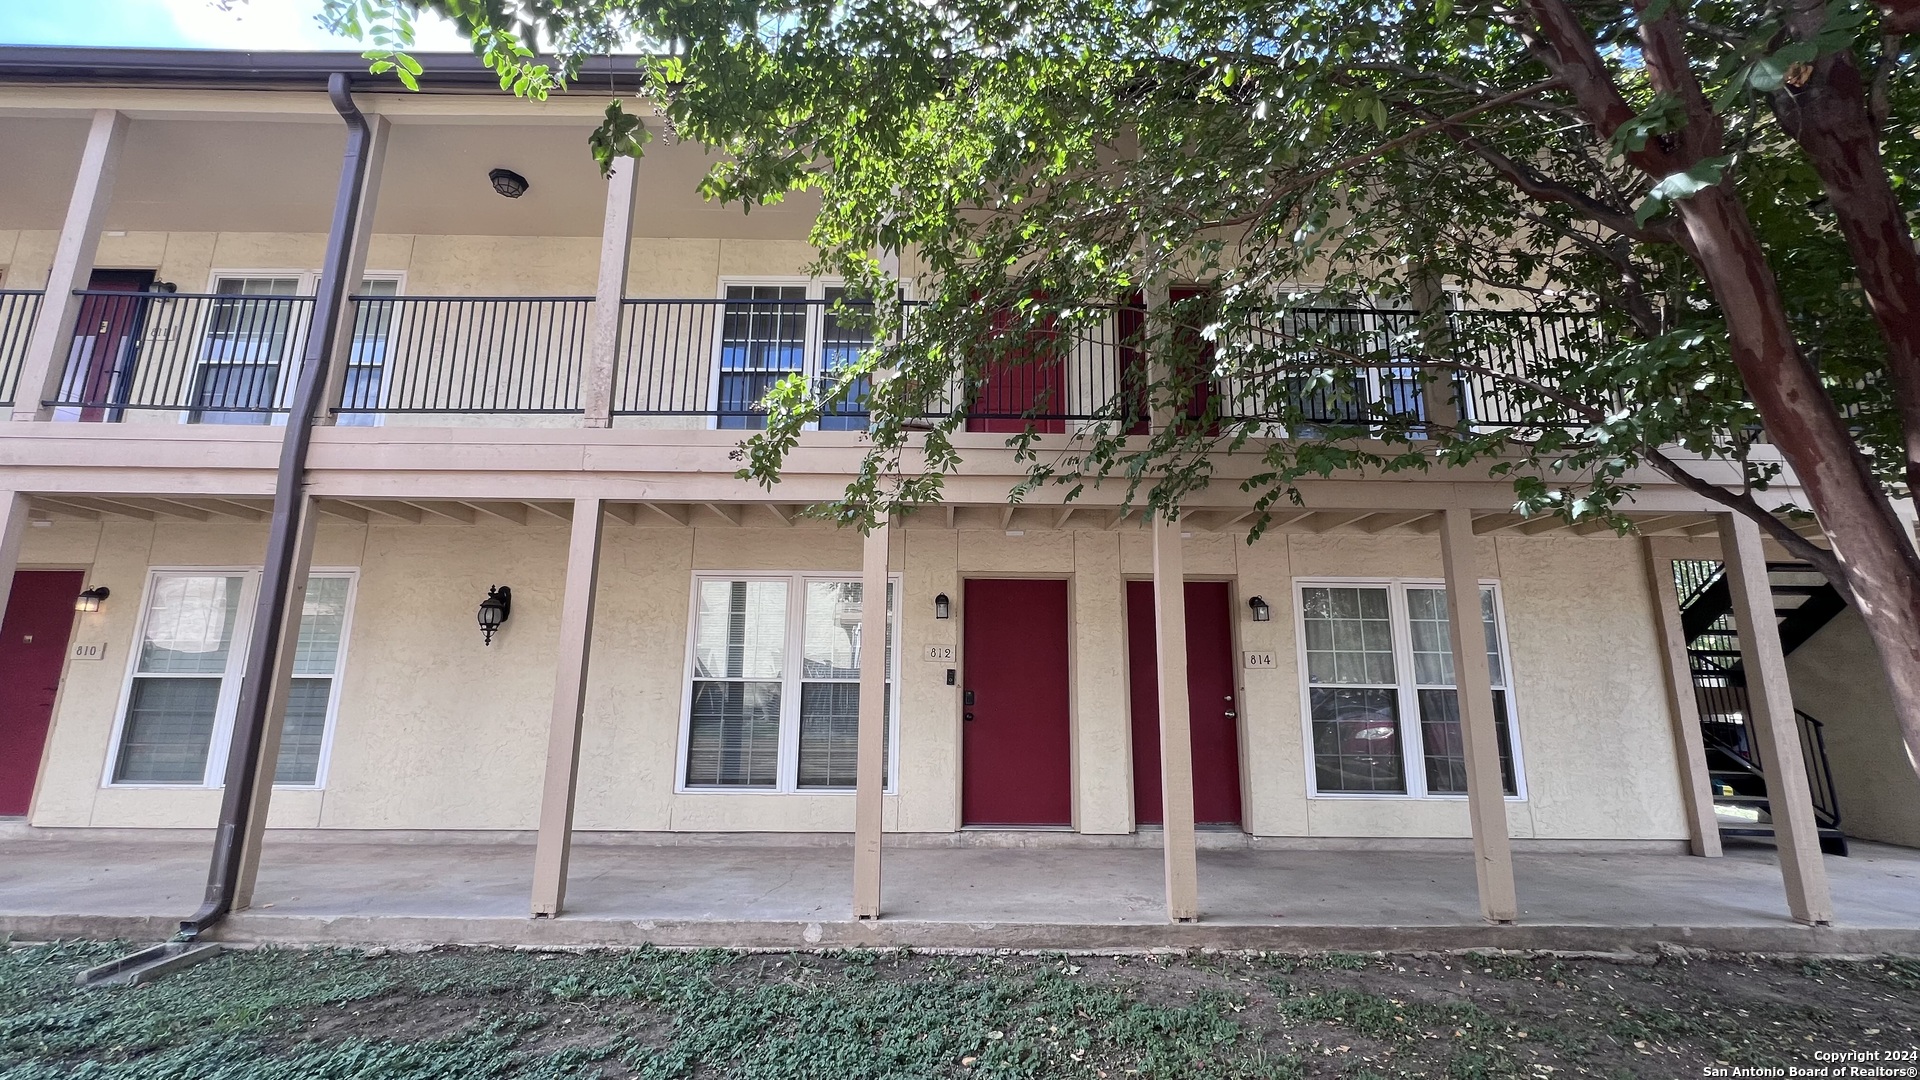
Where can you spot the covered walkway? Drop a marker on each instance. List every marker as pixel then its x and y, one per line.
pixel 791 892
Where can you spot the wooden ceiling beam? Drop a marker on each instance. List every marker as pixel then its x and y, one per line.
pixel 513 513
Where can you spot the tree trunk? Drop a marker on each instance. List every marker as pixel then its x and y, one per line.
pixel 1828 117
pixel 1878 561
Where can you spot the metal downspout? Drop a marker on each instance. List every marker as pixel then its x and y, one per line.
pixel 270 610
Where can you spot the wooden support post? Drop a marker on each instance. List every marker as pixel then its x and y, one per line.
pixel 381 130
pixel 13 529
pixel 1176 726
pixel 1703 832
pixel 51 342
pixel 569 706
pixel 1473 690
pixel 268 749
pixel 1771 722
pixel 603 341
pixel 870 747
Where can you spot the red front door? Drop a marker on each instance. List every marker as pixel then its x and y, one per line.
pixel 33 647
pixel 1135 378
pixel 1210 703
pixel 103 340
pixel 1026 382
pixel 1016 751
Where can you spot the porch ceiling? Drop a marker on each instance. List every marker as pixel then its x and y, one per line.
pixel 772 514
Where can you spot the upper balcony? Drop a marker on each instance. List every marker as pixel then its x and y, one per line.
pixel 147 355
pixel 176 230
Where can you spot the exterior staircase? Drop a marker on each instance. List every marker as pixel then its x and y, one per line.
pixel 1803 603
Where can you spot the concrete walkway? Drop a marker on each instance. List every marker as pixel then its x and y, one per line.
pixel 1055 896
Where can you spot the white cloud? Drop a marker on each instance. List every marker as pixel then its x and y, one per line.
pixel 284 24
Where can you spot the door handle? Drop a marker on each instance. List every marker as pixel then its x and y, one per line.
pixel 1231 715
pixel 966 716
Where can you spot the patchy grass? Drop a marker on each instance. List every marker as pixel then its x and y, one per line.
pixel 476 1014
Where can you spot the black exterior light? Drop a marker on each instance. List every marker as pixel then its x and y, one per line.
pixel 942 607
pixel 92 598
pixel 1261 611
pixel 494 610
pixel 508 183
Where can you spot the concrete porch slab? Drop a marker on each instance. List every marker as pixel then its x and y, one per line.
pixel 368 892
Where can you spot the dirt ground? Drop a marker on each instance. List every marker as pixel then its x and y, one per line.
pixel 472 1013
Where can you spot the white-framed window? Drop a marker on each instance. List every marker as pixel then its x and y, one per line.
pixel 771 328
pixel 773 683
pixel 1378 700
pixel 183 679
pixel 249 353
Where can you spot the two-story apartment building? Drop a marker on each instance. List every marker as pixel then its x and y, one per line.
pixel 536 393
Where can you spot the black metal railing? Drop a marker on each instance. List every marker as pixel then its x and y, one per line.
pixel 1720 690
pixel 718 359
pixel 18 309
pixel 491 354
pixel 231 358
pixel 214 357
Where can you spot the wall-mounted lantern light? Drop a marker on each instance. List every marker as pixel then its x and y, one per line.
pixel 508 183
pixel 494 610
pixel 1261 612
pixel 942 607
pixel 163 289
pixel 92 598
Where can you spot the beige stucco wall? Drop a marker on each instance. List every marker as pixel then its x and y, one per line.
pixel 1838 680
pixel 436 731
pixel 434 265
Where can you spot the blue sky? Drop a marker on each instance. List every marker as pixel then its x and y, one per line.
pixel 200 24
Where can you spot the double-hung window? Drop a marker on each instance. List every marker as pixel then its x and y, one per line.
pixel 184 683
pixel 253 328
pixel 773 695
pixel 249 349
pixel 771 331
pixel 1378 667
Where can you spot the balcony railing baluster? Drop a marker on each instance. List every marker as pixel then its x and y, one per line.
pixel 231 358
pixel 18 309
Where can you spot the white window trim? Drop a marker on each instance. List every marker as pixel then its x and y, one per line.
pixel 1413 757
pixel 214 778
pixel 309 286
pixel 787 777
pixel 815 332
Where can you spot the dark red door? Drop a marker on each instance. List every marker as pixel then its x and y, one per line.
pixel 33 647
pixel 1026 382
pixel 1134 375
pixel 104 336
pixel 1210 703
pixel 1016 751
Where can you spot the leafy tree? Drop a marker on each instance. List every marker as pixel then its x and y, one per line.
pixel 1712 195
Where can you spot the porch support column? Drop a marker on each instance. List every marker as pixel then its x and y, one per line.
pixel 380 130
pixel 870 750
pixel 51 342
pixel 13 530
pixel 1486 799
pixel 1176 727
pixel 569 706
pixel 603 341
pixel 1703 832
pixel 1773 724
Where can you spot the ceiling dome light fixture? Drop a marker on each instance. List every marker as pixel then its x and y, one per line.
pixel 508 183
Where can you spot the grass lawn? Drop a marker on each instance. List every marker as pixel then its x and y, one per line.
pixel 475 1014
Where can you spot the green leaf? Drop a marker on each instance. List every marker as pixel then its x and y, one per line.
pixel 1682 185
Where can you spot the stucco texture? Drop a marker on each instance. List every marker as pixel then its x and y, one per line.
pixel 1837 679
pixel 437 731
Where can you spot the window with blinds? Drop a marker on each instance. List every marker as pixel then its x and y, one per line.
pixel 1378 667
pixel 184 686
pixel 774 700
